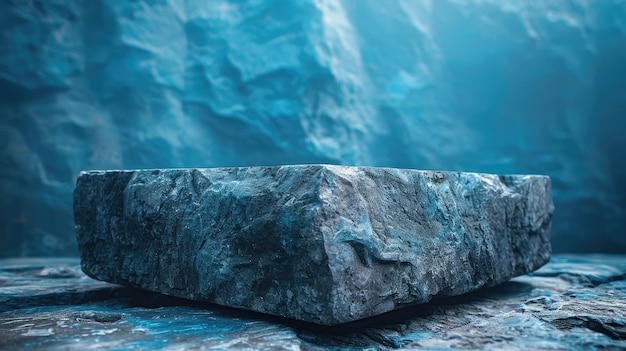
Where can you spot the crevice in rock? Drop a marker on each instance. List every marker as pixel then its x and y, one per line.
pixel 100 317
pixel 611 328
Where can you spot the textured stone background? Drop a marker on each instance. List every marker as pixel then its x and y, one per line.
pixel 484 85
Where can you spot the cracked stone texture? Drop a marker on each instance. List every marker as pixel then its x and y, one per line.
pixel 322 244
pixel 575 302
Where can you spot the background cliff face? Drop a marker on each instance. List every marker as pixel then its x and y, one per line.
pixel 484 85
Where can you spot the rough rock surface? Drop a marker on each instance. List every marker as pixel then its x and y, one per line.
pixel 323 244
pixel 524 87
pixel 575 302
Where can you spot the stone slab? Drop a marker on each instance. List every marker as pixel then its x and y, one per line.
pixel 317 243
pixel 575 302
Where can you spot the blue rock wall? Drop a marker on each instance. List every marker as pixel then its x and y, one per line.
pixel 485 85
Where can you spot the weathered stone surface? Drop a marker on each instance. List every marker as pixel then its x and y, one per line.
pixel 322 244
pixel 575 302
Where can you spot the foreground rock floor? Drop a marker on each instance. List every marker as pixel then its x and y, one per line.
pixel 574 302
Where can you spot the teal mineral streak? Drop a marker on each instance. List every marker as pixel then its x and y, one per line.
pixel 183 321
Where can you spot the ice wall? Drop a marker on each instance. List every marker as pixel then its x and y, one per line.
pixel 503 86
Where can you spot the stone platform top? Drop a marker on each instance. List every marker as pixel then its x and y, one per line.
pixel 575 302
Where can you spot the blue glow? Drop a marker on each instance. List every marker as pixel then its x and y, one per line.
pixel 490 86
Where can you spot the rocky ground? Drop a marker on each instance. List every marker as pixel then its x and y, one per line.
pixel 574 302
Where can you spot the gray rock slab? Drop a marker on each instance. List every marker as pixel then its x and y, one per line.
pixel 317 243
pixel 575 302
